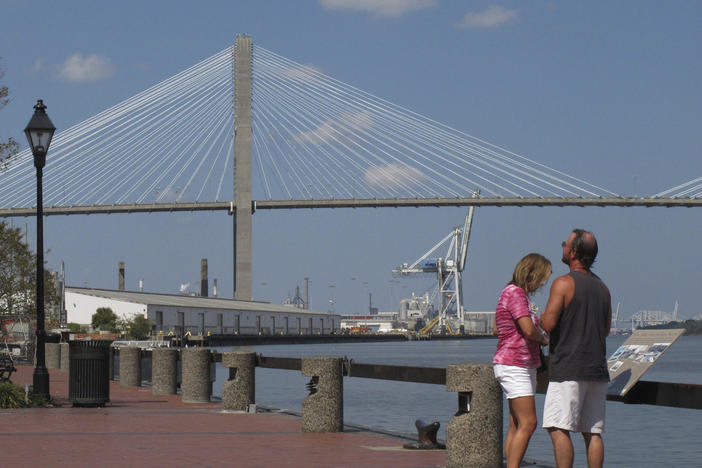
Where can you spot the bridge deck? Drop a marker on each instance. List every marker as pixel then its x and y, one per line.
pixel 357 203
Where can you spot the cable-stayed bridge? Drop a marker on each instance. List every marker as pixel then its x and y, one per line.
pixel 247 129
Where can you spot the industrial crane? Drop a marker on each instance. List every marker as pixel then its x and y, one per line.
pixel 448 270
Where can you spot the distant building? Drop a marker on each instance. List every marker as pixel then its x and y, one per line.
pixel 199 315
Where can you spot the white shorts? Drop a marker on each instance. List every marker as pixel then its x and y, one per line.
pixel 576 406
pixel 516 381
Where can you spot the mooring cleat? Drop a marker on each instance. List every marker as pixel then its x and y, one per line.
pixel 427 437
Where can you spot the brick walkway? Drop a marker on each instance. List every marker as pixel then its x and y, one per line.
pixel 138 429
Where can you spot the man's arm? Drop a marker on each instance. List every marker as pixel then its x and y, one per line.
pixel 609 315
pixel 561 293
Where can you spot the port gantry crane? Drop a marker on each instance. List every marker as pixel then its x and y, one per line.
pixel 448 270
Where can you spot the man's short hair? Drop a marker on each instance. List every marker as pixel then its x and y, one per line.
pixel 585 247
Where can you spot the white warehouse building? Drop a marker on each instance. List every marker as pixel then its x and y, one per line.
pixel 199 315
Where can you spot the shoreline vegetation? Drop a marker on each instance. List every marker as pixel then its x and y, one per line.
pixel 692 327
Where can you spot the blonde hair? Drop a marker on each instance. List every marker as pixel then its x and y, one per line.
pixel 531 272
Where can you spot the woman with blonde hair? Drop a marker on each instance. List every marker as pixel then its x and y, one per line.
pixel 517 356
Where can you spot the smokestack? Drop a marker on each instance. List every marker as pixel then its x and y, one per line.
pixel 214 288
pixel 204 286
pixel 307 293
pixel 141 284
pixel 120 282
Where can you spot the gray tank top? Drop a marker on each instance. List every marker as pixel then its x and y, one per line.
pixel 577 343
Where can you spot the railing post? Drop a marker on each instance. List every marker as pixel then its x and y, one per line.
pixel 196 387
pixel 474 433
pixel 65 357
pixel 164 371
pixel 323 408
pixel 240 390
pixel 52 351
pixel 129 366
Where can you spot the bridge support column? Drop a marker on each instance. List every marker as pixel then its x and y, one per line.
pixel 242 167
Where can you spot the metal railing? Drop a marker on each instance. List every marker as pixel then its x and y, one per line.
pixel 678 395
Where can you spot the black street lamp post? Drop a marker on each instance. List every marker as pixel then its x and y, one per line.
pixel 39 132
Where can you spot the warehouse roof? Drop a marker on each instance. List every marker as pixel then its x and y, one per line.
pixel 180 300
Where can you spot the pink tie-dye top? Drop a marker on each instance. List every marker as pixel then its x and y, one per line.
pixel 512 348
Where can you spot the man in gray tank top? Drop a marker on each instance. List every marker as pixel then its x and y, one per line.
pixel 577 317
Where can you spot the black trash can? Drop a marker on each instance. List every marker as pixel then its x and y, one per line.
pixel 89 372
pixel 52 338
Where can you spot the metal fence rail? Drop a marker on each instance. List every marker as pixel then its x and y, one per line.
pixel 678 395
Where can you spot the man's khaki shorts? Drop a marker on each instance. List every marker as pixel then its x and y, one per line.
pixel 576 406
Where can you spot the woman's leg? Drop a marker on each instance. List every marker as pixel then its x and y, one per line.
pixel 510 433
pixel 523 411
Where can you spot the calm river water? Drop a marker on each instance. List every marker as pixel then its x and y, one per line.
pixel 636 435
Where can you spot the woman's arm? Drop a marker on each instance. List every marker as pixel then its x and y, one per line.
pixel 529 330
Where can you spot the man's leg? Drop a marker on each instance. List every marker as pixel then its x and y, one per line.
pixel 595 449
pixel 562 447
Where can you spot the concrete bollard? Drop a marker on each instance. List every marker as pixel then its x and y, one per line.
pixel 474 433
pixel 323 408
pixel 65 357
pixel 240 390
pixel 52 355
pixel 164 371
pixel 196 387
pixel 129 366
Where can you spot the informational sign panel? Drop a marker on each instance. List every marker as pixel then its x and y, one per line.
pixel 636 356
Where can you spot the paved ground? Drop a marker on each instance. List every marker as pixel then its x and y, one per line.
pixel 138 429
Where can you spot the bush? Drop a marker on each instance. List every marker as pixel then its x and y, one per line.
pixel 11 396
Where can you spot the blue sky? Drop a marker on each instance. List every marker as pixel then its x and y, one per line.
pixel 609 92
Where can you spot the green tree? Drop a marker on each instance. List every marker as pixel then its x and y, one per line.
pixel 9 147
pixel 138 328
pixel 104 319
pixel 18 276
pixel 76 327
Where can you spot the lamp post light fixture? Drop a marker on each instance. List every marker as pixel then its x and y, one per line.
pixel 39 133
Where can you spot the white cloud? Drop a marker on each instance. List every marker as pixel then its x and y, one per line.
pixel 492 17
pixel 393 176
pixel 387 8
pixel 82 69
pixel 331 130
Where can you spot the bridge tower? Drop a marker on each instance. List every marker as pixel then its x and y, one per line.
pixel 243 209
